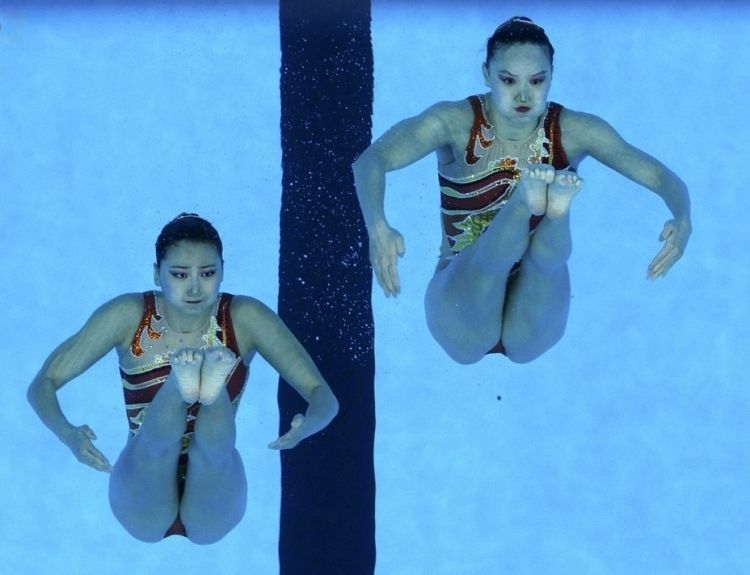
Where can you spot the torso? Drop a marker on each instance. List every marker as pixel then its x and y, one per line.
pixel 144 362
pixel 478 176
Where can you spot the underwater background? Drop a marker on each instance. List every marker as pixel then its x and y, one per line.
pixel 623 450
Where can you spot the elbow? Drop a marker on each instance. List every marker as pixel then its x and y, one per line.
pixel 38 389
pixel 324 395
pixel 367 163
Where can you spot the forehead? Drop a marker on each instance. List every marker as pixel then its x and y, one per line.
pixel 188 251
pixel 529 58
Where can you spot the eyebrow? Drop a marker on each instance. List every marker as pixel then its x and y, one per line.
pixel 179 267
pixel 542 73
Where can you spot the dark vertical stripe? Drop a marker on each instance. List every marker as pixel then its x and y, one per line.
pixel 328 482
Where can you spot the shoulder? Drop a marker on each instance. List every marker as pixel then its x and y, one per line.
pixel 583 134
pixel 252 321
pixel 584 125
pixel 123 308
pixel 121 314
pixel 112 324
pixel 450 114
pixel 248 312
pixel 439 120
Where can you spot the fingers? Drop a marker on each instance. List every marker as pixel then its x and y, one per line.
pixel 384 258
pixel 97 460
pixel 663 261
pixel 86 453
pixel 292 437
pixel 675 239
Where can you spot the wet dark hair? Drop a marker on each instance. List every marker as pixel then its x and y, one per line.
pixel 190 227
pixel 518 30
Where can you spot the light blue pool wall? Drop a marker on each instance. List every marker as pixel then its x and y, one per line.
pixel 621 451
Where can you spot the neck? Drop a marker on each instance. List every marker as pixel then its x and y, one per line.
pixel 186 324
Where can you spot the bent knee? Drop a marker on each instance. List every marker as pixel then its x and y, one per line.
pixel 203 532
pixel 144 528
pixel 529 351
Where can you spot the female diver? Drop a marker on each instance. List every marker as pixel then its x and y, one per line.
pixel 184 354
pixel 507 162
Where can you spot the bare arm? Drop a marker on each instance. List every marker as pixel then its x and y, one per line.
pixel 261 330
pixel 587 135
pixel 405 143
pixel 102 332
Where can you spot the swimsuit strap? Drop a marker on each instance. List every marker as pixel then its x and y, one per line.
pixel 149 312
pixel 224 318
pixel 557 156
pixel 480 121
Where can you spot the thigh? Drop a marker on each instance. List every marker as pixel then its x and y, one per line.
pixel 215 498
pixel 143 492
pixel 536 311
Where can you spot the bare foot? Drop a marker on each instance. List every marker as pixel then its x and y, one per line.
pixel 218 363
pixel 561 192
pixel 533 185
pixel 186 367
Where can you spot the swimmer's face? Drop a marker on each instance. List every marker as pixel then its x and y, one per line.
pixel 519 77
pixel 189 276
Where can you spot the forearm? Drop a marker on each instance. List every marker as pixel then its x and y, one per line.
pixel 369 180
pixel 42 395
pixel 674 193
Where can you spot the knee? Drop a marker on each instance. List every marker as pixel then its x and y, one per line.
pixel 529 350
pixel 205 530
pixel 465 348
pixel 142 527
pixel 205 536
pixel 524 355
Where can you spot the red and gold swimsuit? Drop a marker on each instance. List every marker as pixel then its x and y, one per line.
pixel 475 188
pixel 145 367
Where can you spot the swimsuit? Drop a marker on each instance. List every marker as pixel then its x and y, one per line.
pixel 473 189
pixel 145 367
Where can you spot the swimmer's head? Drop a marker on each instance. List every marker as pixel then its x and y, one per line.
pixel 518 30
pixel 189 227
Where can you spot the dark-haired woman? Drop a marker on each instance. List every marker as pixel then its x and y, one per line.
pixel 507 162
pixel 184 353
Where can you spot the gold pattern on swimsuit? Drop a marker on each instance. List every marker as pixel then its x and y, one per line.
pixel 538 151
pixel 136 348
pixel 211 337
pixel 138 420
pixel 471 228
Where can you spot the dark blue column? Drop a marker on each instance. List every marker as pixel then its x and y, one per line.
pixel 325 281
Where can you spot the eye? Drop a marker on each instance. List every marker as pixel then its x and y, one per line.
pixel 507 80
pixel 179 275
pixel 537 81
pixel 209 274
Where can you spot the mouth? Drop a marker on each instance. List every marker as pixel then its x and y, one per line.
pixel 522 109
pixel 193 302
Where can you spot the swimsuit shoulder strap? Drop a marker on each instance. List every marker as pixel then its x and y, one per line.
pixel 557 156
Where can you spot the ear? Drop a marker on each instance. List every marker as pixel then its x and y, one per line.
pixel 486 74
pixel 157 281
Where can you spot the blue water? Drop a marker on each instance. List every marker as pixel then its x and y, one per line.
pixel 622 451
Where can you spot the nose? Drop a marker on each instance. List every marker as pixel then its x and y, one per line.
pixel 195 286
pixel 522 96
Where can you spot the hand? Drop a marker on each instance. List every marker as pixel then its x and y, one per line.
pixel 291 437
pixel 675 235
pixel 386 246
pixel 79 440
